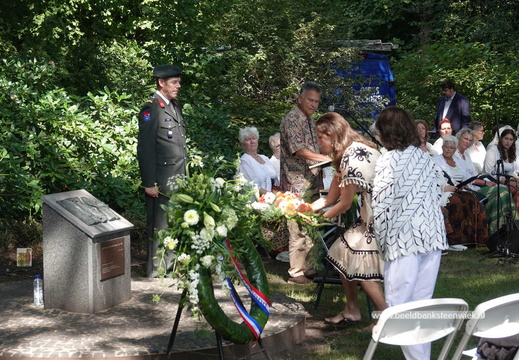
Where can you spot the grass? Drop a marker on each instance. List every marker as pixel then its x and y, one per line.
pixel 468 275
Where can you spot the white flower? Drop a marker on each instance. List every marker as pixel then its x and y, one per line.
pixel 260 206
pixel 220 269
pixel 282 204
pixel 170 243
pixel 241 179
pixel 207 234
pixel 269 198
pixel 221 230
pixel 191 217
pixel 184 259
pixel 219 182
pixel 196 160
pixel 200 243
pixel 194 279
pixel 230 218
pixel 207 260
pixel 208 220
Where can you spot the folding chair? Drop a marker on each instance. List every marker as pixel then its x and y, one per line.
pixel 419 322
pixel 496 318
pixel 333 231
pixel 327 239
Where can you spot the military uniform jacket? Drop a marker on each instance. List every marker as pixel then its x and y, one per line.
pixel 161 148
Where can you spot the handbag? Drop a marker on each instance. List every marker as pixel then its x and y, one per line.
pixel 498 349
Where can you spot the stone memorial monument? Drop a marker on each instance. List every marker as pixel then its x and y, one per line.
pixel 86 253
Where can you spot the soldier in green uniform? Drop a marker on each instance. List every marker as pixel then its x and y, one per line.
pixel 161 150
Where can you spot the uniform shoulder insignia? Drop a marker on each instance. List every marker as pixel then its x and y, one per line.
pixel 150 100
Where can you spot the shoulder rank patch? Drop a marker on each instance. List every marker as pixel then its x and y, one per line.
pixel 146 116
pixel 161 103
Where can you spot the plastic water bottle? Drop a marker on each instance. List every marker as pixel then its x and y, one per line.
pixel 38 290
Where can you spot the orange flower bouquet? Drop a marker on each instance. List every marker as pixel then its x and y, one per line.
pixel 276 209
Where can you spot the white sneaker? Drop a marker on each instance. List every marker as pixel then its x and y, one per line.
pixel 457 248
pixel 283 257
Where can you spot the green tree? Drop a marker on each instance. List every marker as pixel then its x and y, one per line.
pixel 473 67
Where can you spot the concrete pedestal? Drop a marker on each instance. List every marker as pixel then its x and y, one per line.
pixel 86 268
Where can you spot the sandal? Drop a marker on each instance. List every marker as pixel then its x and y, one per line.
pixel 343 321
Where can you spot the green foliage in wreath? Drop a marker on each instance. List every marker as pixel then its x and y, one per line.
pixel 202 213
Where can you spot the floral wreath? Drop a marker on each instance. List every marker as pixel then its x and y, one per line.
pixel 210 223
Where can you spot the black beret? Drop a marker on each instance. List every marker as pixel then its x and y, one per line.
pixel 167 71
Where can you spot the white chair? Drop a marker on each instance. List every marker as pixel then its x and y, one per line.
pixel 419 322
pixel 497 318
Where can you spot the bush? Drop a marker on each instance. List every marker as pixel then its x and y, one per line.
pixel 472 66
pixel 52 141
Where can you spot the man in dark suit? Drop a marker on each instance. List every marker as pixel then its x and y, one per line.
pixel 452 106
pixel 161 151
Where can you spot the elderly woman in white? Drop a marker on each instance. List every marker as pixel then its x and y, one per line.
pixel 477 151
pixel 254 167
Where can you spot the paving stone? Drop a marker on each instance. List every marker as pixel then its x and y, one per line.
pixel 136 328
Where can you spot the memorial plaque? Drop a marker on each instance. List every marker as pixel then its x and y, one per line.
pixel 112 258
pixel 84 240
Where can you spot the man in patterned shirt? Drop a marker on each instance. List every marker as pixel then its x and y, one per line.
pixel 300 150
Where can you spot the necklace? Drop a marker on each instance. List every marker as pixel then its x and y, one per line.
pixel 257 158
pixel 450 162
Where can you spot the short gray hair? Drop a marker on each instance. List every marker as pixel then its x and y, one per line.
pixel 273 138
pixel 464 131
pixel 246 132
pixel 452 139
pixel 310 85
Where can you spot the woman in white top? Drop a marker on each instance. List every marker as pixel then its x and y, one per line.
pixel 445 130
pixel 423 133
pixel 501 160
pixel 254 167
pixel 486 187
pixel 496 134
pixel 477 151
pixel 408 221
pixel 465 217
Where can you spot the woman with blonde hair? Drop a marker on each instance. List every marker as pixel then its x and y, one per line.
pixel 354 254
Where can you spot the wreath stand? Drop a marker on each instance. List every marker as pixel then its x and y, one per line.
pixel 219 342
pixel 177 322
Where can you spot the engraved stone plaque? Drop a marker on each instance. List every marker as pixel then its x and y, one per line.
pixel 86 241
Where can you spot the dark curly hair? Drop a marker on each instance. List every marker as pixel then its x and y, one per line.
pixel 397 129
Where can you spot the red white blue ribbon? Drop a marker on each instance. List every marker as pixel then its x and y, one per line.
pixel 261 300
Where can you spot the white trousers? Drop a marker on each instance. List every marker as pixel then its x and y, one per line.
pixel 410 278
